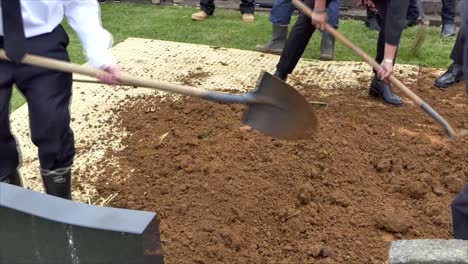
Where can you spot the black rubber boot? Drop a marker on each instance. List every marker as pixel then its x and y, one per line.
pixel 58 182
pixel 13 179
pixel 453 75
pixel 278 40
pixel 380 89
pixel 448 30
pixel 281 76
pixel 327 47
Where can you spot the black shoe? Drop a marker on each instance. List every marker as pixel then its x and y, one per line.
pixel 453 75
pixel 101 1
pixel 371 23
pixel 13 179
pixel 58 182
pixel 327 47
pixel 448 30
pixel 281 76
pixel 380 89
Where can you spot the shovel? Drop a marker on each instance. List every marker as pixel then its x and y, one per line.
pixel 422 30
pixel 274 107
pixel 449 132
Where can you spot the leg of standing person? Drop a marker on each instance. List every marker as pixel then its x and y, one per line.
pixel 280 17
pixel 48 94
pixel 448 18
pixel 454 74
pixel 371 21
pixel 296 44
pixel 207 8
pixel 9 157
pixel 464 40
pixel 413 14
pixel 327 44
pixel 247 8
pixel 390 22
pixel 460 214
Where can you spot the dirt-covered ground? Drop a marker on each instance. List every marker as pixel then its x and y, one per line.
pixel 228 194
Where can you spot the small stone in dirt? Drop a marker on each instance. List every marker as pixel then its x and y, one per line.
pixel 315 250
pixel 245 128
pixel 305 193
pixel 438 190
pixel 395 221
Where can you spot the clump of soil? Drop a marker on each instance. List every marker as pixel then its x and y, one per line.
pixel 228 194
pixel 194 78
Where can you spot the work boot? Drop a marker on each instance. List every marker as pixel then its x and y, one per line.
pixel 448 30
pixel 13 179
pixel 380 89
pixel 199 16
pixel 248 18
pixel 453 75
pixel 278 40
pixel 57 182
pixel 327 47
pixel 281 76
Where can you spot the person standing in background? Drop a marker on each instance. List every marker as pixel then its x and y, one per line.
pixel 207 8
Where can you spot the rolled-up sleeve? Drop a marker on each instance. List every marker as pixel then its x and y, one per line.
pixel 84 17
pixel 395 21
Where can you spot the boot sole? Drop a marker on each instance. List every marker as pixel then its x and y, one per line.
pixel 326 58
pixel 269 51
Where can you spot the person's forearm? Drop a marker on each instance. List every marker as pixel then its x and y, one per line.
pixel 390 52
pixel 320 5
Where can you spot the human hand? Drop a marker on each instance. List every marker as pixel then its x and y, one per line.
pixel 319 19
pixel 386 69
pixel 112 75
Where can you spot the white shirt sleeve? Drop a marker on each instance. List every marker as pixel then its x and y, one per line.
pixel 85 18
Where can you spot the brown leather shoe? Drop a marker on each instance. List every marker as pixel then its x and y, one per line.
pixel 248 18
pixel 199 16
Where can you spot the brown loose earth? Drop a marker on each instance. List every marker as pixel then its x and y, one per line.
pixel 228 194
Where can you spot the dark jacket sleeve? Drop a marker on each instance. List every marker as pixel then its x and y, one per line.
pixel 395 20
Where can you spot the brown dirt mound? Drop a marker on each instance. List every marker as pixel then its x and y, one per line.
pixel 228 194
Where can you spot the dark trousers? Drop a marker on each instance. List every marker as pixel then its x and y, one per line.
pixel 297 41
pixel 246 6
pixel 48 95
pixel 448 11
pixel 413 12
pixel 463 35
pixel 460 215
pixel 383 7
pixel 457 51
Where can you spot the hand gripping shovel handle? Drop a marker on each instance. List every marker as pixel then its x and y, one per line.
pixel 412 96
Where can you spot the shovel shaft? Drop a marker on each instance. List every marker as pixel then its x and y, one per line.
pixel 412 96
pixel 125 78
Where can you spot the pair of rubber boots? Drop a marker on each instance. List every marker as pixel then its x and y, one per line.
pixel 280 35
pixel 56 184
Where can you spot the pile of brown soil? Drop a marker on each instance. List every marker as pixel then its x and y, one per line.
pixel 228 194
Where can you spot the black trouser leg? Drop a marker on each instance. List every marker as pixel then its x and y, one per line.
pixel 247 6
pixel 207 6
pixel 48 94
pixel 297 42
pixel 464 40
pixel 413 12
pixel 457 51
pixel 448 11
pixel 9 158
pixel 460 215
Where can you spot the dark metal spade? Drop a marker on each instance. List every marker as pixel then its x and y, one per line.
pixel 274 107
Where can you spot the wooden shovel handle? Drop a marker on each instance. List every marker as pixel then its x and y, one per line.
pixel 412 96
pixel 125 78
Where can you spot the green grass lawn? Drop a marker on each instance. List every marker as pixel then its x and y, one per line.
pixel 226 29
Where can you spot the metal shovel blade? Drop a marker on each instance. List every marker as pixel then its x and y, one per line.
pixel 280 111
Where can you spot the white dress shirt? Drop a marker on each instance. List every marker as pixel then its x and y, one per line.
pixel 43 16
